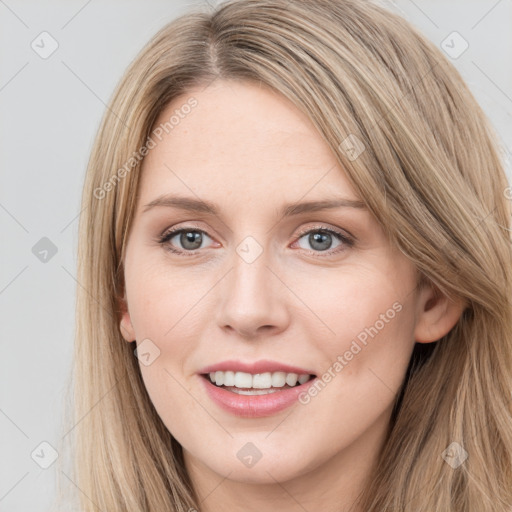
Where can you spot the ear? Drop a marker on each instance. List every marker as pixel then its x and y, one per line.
pixel 436 314
pixel 126 327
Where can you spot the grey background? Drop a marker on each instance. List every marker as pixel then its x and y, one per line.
pixel 50 110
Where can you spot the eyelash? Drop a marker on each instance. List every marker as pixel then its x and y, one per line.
pixel 345 240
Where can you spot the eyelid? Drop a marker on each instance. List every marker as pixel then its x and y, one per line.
pixel 187 226
pixel 323 227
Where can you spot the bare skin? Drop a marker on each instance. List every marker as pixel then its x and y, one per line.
pixel 250 151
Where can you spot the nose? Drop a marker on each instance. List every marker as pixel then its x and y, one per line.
pixel 252 299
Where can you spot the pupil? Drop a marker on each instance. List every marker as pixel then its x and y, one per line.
pixel 191 240
pixel 320 241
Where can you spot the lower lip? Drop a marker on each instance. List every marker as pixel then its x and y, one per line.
pixel 255 406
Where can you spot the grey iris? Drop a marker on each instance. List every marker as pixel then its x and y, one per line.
pixel 320 241
pixel 191 237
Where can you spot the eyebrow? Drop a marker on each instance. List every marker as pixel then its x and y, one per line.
pixel 202 206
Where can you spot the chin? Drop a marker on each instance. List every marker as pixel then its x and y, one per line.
pixel 274 464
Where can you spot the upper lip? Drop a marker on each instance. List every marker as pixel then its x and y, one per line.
pixel 262 366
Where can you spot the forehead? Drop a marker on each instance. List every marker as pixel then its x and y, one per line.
pixel 239 140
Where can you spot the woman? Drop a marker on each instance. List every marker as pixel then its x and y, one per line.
pixel 295 274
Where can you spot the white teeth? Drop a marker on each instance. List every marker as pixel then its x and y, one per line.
pixel 291 379
pixel 254 391
pixel 229 378
pixel 242 380
pixel 265 380
pixel 279 379
pixel 303 379
pixel 262 380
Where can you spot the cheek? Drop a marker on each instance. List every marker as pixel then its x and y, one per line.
pixel 360 302
pixel 165 309
pixel 171 396
pixel 161 298
pixel 371 318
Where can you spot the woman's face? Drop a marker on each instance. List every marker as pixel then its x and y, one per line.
pixel 254 285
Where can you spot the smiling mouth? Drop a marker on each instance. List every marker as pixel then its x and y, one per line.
pixel 243 383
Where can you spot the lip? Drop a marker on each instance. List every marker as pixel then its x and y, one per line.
pixel 254 406
pixel 262 366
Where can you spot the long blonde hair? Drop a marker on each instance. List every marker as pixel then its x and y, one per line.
pixel 431 174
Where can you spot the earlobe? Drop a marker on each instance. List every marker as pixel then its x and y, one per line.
pixel 125 325
pixel 436 315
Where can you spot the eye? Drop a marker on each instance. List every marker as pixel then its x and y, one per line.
pixel 186 240
pixel 324 239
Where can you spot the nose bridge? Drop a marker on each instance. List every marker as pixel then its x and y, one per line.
pixel 250 296
pixel 250 279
